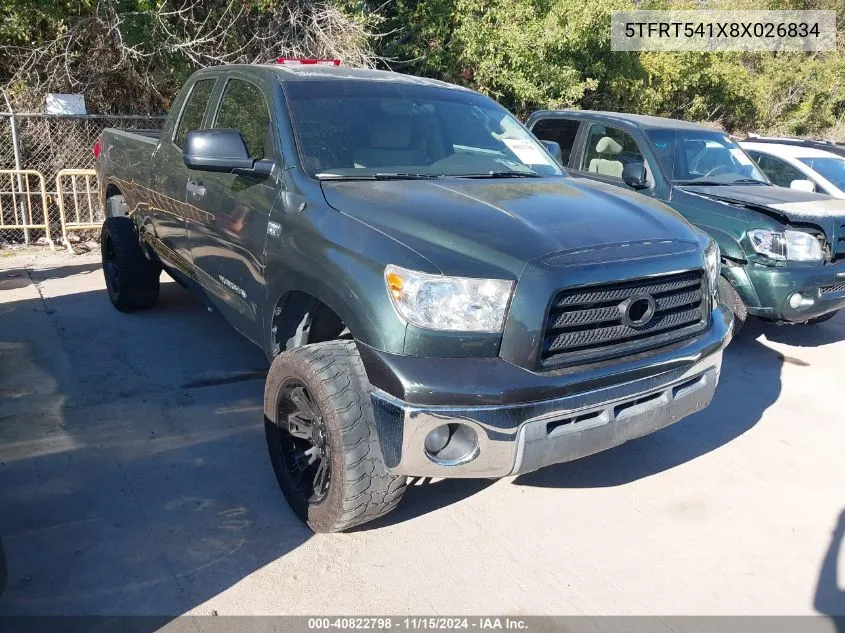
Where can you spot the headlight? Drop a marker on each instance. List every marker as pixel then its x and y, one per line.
pixel 713 265
pixel 460 304
pixel 792 245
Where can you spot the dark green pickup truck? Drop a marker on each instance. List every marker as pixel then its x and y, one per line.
pixel 783 250
pixel 436 297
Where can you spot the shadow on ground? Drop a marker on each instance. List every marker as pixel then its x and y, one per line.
pixel 133 477
pixel 830 595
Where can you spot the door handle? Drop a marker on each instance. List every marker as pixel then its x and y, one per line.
pixel 196 189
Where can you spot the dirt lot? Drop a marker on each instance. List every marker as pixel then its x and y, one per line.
pixel 134 480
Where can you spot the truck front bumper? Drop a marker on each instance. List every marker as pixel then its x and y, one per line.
pixel 822 290
pixel 589 416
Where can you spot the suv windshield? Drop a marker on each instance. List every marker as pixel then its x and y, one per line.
pixel 833 168
pixel 377 129
pixel 702 157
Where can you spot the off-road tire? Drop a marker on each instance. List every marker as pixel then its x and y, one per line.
pixel 731 298
pixel 132 280
pixel 360 487
pixel 822 318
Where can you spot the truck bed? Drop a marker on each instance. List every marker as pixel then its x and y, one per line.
pixel 126 154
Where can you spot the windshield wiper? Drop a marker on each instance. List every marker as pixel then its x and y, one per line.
pixel 706 183
pixel 378 176
pixel 750 181
pixel 502 174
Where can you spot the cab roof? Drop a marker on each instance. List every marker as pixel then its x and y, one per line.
pixel 640 120
pixel 312 72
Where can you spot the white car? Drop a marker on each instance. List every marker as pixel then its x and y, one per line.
pixel 798 167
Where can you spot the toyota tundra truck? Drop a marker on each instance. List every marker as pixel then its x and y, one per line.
pixel 436 297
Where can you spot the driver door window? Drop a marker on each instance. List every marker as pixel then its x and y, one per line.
pixel 779 172
pixel 244 108
pixel 608 150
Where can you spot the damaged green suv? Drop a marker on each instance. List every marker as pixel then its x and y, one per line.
pixel 783 250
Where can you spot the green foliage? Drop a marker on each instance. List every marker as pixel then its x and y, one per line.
pixel 533 54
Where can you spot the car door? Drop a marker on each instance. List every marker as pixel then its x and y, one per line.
pixel 229 231
pixel 605 152
pixel 779 171
pixel 169 176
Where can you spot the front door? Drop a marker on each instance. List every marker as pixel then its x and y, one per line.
pixel 228 236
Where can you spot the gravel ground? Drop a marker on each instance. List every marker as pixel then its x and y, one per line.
pixel 134 479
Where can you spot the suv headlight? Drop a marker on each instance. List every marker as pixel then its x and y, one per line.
pixel 797 246
pixel 436 302
pixel 713 266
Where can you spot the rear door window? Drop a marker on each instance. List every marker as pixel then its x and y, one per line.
pixel 608 150
pixel 192 113
pixel 561 131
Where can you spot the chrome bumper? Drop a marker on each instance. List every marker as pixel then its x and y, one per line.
pixel 514 439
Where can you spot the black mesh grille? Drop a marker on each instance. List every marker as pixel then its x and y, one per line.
pixel 586 324
pixel 837 287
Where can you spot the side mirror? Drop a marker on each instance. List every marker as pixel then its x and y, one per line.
pixel 222 151
pixel 553 148
pixel 803 185
pixel 633 174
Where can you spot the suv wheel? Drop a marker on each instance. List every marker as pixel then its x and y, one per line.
pixel 322 438
pixel 731 298
pixel 132 280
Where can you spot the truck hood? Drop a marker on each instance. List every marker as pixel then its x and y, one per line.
pixel 468 226
pixel 790 204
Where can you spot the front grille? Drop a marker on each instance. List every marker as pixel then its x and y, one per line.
pixel 588 324
pixel 837 287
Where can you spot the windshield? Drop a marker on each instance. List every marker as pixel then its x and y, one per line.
pixel 369 129
pixel 833 169
pixel 702 157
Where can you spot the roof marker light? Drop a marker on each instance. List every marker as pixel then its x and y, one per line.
pixel 304 60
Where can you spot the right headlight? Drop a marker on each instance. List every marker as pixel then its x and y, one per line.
pixel 713 265
pixel 437 302
pixel 798 246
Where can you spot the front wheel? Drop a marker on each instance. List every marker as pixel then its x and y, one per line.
pixel 322 439
pixel 730 297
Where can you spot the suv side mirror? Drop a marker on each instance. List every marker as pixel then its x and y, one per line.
pixel 803 185
pixel 224 151
pixel 633 174
pixel 554 149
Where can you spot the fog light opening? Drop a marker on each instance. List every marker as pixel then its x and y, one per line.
pixel 451 444
pixel 795 300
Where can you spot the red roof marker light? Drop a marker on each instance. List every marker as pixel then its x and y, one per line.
pixel 304 60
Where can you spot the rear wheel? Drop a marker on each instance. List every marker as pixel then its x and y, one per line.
pixel 322 438
pixel 132 280
pixel 730 297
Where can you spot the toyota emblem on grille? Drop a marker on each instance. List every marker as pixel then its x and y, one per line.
pixel 638 311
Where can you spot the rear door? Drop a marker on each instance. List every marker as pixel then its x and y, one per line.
pixel 169 176
pixel 229 232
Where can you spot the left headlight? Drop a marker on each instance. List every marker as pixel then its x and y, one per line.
pixel 436 302
pixel 713 265
pixel 798 246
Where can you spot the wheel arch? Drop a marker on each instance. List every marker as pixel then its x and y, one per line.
pixel 299 318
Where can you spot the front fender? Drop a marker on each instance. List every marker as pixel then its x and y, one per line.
pixel 340 262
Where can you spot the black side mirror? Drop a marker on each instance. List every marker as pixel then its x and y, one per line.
pixel 224 151
pixel 554 149
pixel 633 174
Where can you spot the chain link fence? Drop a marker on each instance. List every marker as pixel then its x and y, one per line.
pixel 51 145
